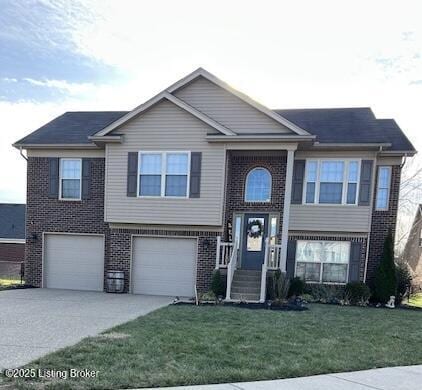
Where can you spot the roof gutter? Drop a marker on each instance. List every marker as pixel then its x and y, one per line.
pixel 55 146
pixel 255 138
pixel 335 145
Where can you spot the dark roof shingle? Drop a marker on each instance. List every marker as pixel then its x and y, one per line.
pixel 12 220
pixel 72 127
pixel 330 125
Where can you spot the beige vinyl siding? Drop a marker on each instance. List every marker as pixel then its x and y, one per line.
pixel 227 109
pixel 165 127
pixel 330 218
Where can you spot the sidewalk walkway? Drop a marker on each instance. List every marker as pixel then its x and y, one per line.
pixel 394 378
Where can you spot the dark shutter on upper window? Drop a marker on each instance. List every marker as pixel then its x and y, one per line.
pixel 86 178
pixel 195 174
pixel 365 182
pixel 354 261
pixel 132 173
pixel 291 258
pixel 297 182
pixel 53 177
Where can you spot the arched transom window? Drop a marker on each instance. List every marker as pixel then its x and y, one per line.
pixel 258 185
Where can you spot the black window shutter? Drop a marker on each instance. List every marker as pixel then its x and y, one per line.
pixel 132 173
pixel 291 258
pixel 297 182
pixel 365 182
pixel 195 174
pixel 53 177
pixel 86 178
pixel 354 261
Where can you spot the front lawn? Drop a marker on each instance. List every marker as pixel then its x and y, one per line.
pixel 181 345
pixel 415 300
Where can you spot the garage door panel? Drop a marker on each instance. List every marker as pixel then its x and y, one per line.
pixel 74 262
pixel 164 266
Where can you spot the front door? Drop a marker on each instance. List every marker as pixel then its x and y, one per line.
pixel 254 233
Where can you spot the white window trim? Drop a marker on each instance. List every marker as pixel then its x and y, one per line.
pixel 271 186
pixel 388 188
pixel 345 182
pixel 60 180
pixel 325 262
pixel 163 174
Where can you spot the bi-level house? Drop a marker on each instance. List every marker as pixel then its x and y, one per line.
pixel 202 177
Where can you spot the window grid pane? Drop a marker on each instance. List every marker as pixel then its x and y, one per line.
pixel 177 164
pixel 332 171
pixel 310 272
pixel 383 187
pixel 150 185
pixel 334 273
pixel 351 193
pixel 176 185
pixel 330 193
pixel 71 169
pixel 150 164
pixel 258 186
pixel 71 188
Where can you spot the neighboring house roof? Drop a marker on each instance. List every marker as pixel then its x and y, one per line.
pixel 12 221
pixel 349 125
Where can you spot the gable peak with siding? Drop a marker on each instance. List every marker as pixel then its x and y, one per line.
pixel 211 100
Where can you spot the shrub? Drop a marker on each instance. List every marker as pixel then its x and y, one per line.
pixel 280 285
pixel 358 293
pixel 207 296
pixel 297 287
pixel 325 293
pixel 217 285
pixel 385 281
pixel 404 281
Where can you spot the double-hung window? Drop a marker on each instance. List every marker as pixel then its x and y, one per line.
pixel 323 261
pixel 383 188
pixel 331 181
pixel 164 174
pixel 70 179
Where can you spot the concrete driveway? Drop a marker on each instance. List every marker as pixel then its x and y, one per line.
pixel 34 322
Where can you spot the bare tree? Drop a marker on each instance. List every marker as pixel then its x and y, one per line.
pixel 409 200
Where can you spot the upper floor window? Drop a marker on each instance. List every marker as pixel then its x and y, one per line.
pixel 70 178
pixel 258 185
pixel 164 174
pixel 332 181
pixel 383 188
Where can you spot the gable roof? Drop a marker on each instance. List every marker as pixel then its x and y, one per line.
pixel 349 125
pixel 156 99
pixel 12 221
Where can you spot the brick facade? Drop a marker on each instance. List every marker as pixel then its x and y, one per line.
pixel 382 221
pixel 44 214
pixel 120 251
pixel 239 165
pixel 318 236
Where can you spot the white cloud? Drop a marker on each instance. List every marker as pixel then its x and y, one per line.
pixel 284 54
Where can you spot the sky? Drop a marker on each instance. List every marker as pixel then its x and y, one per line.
pixel 58 56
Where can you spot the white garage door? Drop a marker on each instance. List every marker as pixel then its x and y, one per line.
pixel 74 262
pixel 164 266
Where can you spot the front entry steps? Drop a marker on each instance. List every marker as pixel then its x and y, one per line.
pixel 246 285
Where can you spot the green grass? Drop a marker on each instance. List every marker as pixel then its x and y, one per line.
pixel 415 300
pixel 182 345
pixel 8 281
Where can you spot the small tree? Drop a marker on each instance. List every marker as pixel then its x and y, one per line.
pixel 404 281
pixel 385 282
pixel 217 285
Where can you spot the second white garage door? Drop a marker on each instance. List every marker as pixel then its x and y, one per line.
pixel 73 262
pixel 164 266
